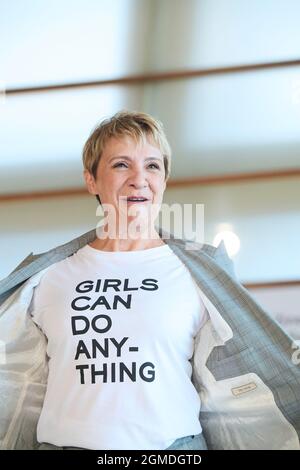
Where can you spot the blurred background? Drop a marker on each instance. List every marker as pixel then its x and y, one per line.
pixel 224 78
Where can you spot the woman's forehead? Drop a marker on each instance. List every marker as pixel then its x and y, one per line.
pixel 126 145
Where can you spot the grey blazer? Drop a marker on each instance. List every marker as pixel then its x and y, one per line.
pixel 244 366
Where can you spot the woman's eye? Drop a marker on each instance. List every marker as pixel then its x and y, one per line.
pixel 122 163
pixel 118 164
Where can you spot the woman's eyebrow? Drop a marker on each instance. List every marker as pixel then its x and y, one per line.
pixel 128 158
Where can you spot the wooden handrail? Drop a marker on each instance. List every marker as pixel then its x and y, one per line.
pixel 204 180
pixel 263 285
pixel 155 77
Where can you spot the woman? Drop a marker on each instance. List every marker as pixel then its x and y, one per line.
pixel 150 346
pixel 127 352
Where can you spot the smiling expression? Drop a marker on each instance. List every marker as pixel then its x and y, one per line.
pixel 127 169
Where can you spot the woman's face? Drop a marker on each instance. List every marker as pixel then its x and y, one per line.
pixel 129 169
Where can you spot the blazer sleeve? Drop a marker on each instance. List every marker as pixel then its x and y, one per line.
pixel 24 262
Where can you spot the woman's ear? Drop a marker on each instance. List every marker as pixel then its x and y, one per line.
pixel 90 182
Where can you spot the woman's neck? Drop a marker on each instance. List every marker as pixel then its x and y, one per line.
pixel 127 244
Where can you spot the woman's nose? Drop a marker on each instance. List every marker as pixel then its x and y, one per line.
pixel 138 178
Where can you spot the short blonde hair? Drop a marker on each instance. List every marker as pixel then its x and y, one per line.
pixel 139 126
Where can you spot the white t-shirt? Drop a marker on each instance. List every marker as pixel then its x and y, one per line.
pixel 120 329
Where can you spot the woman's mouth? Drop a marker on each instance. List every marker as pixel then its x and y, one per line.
pixel 135 200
